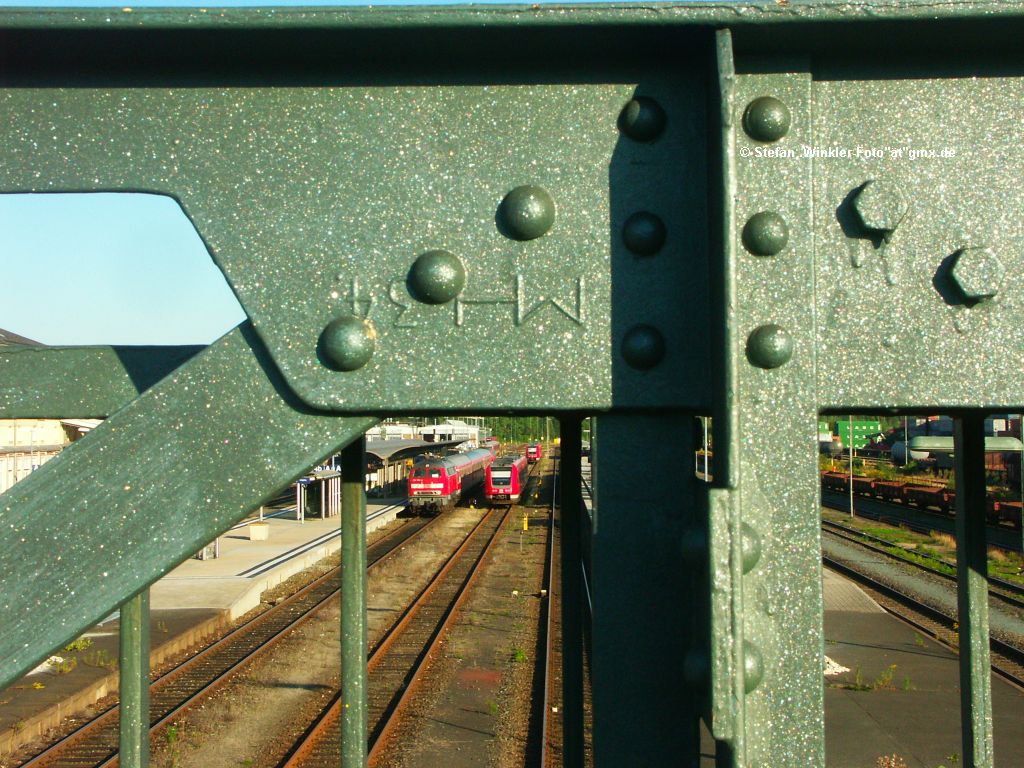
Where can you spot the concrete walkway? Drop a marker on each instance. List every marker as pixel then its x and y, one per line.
pixel 900 693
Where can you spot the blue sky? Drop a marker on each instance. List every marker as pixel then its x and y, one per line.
pixel 114 269
pixel 109 269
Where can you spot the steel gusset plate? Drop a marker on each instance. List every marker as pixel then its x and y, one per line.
pixel 317 201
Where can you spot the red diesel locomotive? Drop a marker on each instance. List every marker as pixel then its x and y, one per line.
pixel 439 484
pixel 505 480
pixel 533 453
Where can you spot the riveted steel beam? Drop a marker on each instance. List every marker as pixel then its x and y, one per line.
pixel 147 488
pixel 462 240
pixel 766 597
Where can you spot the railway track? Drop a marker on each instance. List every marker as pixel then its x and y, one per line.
pixel 1002 537
pixel 1007 592
pixel 1007 660
pixel 95 743
pixel 395 664
pixel 551 722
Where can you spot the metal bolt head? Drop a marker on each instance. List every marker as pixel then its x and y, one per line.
pixel 642 119
pixel 753 666
pixel 978 273
pixel 644 233
pixel 643 347
pixel 880 206
pixel 750 546
pixel 526 213
pixel 766 119
pixel 769 346
pixel 765 234
pixel 436 277
pixel 348 342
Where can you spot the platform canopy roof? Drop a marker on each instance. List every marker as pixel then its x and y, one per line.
pixel 9 338
pixel 395 450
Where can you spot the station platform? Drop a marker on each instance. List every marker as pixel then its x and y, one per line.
pixel 196 600
pixel 891 691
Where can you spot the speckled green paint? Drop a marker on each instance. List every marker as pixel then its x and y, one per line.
pixel 317 198
pixel 148 488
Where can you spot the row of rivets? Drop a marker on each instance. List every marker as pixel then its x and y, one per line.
pixel 766 119
pixel 766 233
pixel 437 277
pixel 644 233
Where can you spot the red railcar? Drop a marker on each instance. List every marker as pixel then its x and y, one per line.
pixel 835 481
pixel 506 478
pixel 534 453
pixel 439 484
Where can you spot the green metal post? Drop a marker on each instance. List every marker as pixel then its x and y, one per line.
pixel 572 594
pixel 134 684
pixel 648 565
pixel 972 592
pixel 353 605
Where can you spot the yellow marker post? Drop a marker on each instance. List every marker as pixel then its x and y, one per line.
pixel 526 521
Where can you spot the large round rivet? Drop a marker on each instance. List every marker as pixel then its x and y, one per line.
pixel 643 347
pixel 527 212
pixel 766 119
pixel 769 346
pixel 750 544
pixel 765 234
pixel 436 277
pixel 753 666
pixel 347 343
pixel 643 233
pixel 642 119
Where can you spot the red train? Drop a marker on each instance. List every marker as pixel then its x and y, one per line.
pixel 506 478
pixel 534 453
pixel 439 484
pixel 997 512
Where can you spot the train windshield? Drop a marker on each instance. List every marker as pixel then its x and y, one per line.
pixel 426 473
pixel 501 477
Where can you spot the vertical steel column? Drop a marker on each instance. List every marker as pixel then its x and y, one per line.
pixel 353 605
pixel 134 675
pixel 649 591
pixel 972 592
pixel 572 594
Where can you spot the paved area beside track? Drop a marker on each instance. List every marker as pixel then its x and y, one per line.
pixel 192 602
pixel 892 691
pixel 900 695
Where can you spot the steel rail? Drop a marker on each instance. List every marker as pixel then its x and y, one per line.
pixel 275 621
pixel 854 536
pixel 321 734
pixel 1007 660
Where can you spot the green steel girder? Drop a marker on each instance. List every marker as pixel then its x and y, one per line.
pixel 80 382
pixel 146 489
pixel 320 153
